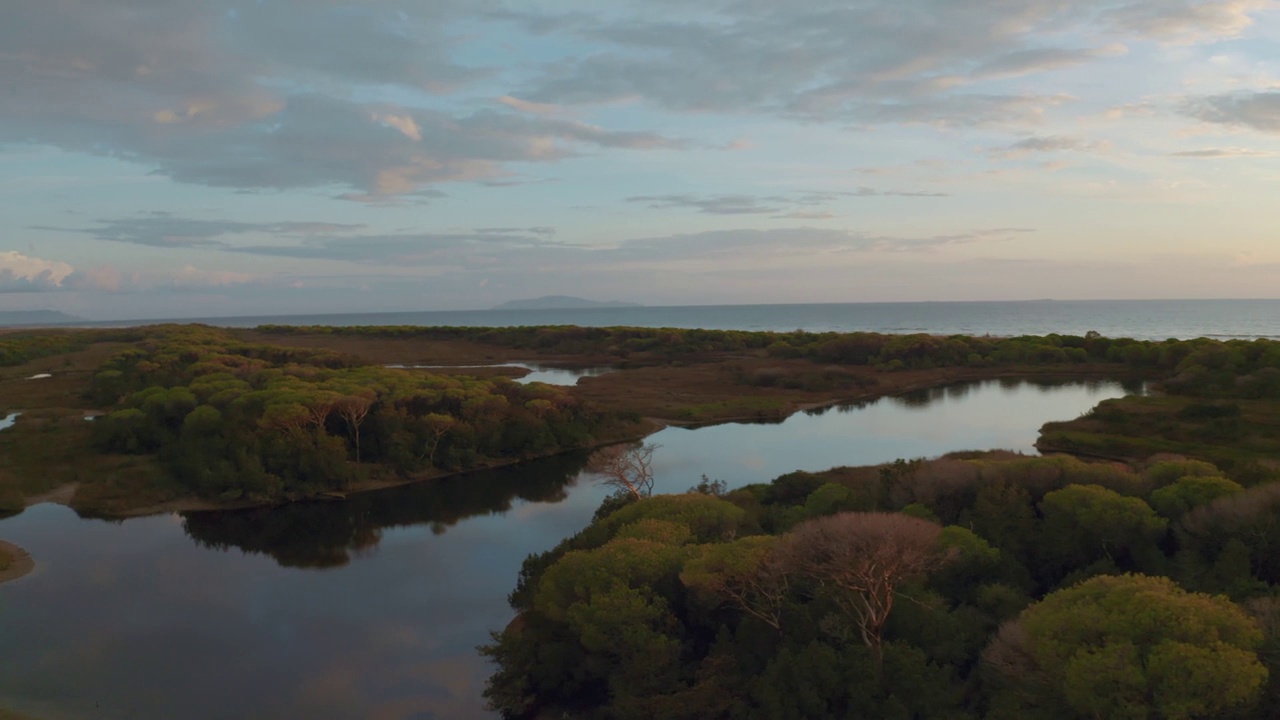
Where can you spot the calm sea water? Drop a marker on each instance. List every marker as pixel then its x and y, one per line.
pixel 1144 319
pixel 372 608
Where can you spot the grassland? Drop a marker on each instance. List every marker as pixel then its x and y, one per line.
pixel 1238 435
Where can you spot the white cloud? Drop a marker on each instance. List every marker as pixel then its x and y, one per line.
pixel 22 273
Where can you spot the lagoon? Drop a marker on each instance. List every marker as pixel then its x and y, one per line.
pixel 372 607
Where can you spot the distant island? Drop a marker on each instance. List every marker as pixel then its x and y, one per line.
pixel 36 317
pixel 562 302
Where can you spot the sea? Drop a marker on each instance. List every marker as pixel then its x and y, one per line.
pixel 1139 319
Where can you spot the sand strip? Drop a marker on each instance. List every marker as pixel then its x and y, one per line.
pixel 20 563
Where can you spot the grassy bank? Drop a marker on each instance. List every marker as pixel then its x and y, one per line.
pixel 1239 435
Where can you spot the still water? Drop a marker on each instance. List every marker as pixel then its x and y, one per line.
pixel 372 607
pixel 548 374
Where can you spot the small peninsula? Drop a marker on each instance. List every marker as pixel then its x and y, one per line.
pixel 14 563
pixel 562 302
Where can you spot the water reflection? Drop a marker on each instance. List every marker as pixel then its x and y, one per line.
pixel 372 607
pixel 325 534
pixel 924 398
pixel 560 376
pixel 8 420
pixel 537 372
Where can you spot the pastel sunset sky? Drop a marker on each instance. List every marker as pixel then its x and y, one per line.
pixel 198 158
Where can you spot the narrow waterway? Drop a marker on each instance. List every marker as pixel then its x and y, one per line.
pixel 372 607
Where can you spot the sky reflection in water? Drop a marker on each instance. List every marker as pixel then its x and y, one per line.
pixel 372 608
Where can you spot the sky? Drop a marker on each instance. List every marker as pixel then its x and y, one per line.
pixel 203 158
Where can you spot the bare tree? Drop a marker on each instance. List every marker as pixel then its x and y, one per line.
pixel 320 405
pixel 354 409
pixel 625 467
pixel 439 425
pixel 863 558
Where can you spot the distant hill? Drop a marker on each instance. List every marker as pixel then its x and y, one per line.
pixel 10 318
pixel 561 302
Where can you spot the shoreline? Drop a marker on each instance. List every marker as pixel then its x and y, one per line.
pixel 64 495
pixel 20 563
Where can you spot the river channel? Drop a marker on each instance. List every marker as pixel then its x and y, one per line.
pixel 371 608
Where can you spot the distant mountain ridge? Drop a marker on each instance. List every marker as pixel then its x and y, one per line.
pixel 562 302
pixel 36 317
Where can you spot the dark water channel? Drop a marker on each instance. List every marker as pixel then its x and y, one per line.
pixel 372 607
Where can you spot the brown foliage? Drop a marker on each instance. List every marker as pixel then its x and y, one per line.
pixel 625 467
pixel 863 558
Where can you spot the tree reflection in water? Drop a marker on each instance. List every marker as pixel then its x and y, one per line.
pixel 325 534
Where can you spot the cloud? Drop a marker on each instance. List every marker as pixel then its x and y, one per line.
pixel 806 215
pixel 281 94
pixel 866 63
pixel 768 204
pixel 547 231
pixel 1227 152
pixel 715 204
pixel 1036 60
pixel 788 243
pixel 485 252
pixel 440 251
pixel 1044 144
pixel 526 106
pixel 164 230
pixel 317 141
pixel 22 273
pixel 488 249
pixel 1188 21
pixel 1253 110
pixel 384 99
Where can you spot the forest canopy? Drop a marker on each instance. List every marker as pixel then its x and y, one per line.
pixel 972 586
pixel 234 420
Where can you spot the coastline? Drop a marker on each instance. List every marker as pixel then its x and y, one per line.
pixel 20 562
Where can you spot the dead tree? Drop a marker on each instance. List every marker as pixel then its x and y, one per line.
pixel 353 409
pixel 625 468
pixel 862 558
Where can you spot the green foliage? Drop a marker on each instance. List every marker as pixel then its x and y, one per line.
pixel 19 348
pixel 1166 472
pixel 1133 647
pixel 680 606
pixel 708 518
pixel 832 498
pixel 611 601
pixel 1090 524
pixel 236 421
pixel 1200 365
pixel 1190 492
